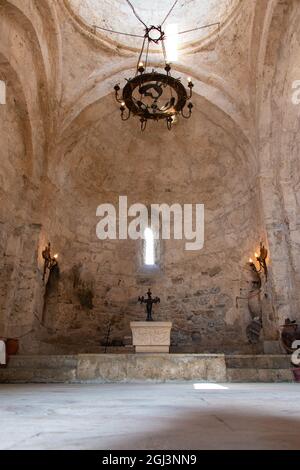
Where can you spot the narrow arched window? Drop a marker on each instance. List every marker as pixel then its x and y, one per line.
pixel 2 92
pixel 149 247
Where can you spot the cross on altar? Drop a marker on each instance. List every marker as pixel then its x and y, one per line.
pixel 149 301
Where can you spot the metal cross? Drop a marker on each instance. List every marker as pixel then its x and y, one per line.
pixel 149 301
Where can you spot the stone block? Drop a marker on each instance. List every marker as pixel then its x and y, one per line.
pixel 150 367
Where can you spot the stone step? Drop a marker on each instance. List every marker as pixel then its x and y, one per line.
pixel 127 349
pixel 37 375
pixel 42 362
pixel 150 367
pixel 157 367
pixel 258 362
pixel 259 375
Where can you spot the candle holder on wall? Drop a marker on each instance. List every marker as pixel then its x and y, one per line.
pixel 49 261
pixel 261 259
pixel 254 328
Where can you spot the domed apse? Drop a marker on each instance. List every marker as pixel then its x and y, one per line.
pixel 202 161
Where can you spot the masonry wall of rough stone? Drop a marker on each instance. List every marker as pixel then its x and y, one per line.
pixel 12 167
pixel 20 280
pixel 64 151
pixel 279 157
pixel 200 161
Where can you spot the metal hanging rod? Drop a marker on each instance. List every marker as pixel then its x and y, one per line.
pixel 117 32
pixel 140 36
pixel 146 27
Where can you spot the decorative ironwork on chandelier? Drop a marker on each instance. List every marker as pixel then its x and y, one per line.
pixel 152 95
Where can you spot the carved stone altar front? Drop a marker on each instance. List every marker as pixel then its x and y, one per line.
pixel 151 336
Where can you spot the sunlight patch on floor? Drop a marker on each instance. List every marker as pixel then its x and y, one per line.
pixel 207 386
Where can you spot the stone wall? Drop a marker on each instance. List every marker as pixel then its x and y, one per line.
pixel 64 151
pixel 21 289
pixel 279 157
pixel 200 161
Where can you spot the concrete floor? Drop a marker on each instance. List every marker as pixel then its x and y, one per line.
pixel 150 416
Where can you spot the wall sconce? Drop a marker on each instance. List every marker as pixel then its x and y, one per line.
pixel 261 258
pixel 49 261
pixel 255 326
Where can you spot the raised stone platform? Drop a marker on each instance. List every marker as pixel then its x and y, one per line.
pixel 260 368
pixel 104 368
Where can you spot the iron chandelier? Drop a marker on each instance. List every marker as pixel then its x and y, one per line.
pixel 153 95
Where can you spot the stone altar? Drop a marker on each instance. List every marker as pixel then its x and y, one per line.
pixel 151 336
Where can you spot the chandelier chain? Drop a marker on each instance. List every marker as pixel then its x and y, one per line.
pixel 164 50
pixel 147 53
pixel 141 53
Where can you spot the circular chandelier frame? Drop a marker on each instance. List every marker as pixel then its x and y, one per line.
pixel 164 80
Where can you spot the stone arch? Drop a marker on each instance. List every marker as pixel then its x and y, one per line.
pixel 207 85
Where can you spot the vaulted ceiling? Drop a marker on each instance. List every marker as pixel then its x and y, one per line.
pixel 187 14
